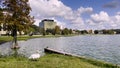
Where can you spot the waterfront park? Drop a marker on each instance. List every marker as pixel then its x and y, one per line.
pixel 46 50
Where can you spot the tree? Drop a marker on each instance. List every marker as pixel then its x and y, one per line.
pixel 90 31
pixel 50 31
pixel 18 17
pixel 44 32
pixel 70 31
pixel 104 31
pixel 110 31
pixel 35 29
pixel 65 31
pixel 1 16
pixel 57 30
pixel 84 32
pixel 96 32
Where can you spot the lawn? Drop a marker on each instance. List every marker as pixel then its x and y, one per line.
pixel 4 39
pixel 53 61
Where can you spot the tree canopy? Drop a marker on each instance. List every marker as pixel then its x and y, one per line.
pixel 57 30
pixel 1 15
pixel 17 14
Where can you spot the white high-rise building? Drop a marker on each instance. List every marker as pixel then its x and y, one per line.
pixel 47 24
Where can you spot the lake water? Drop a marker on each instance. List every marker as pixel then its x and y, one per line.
pixel 103 47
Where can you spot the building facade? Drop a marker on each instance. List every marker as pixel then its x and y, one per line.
pixel 47 24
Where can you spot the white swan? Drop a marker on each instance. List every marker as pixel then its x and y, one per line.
pixel 35 56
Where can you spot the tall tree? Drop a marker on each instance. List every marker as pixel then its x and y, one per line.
pixel 70 31
pixel 1 15
pixel 18 17
pixel 57 30
pixel 65 31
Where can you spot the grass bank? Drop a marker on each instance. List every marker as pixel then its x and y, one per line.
pixel 4 39
pixel 53 61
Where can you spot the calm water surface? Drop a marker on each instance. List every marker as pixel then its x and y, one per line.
pixel 103 47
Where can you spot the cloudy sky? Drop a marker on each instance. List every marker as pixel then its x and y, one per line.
pixel 78 14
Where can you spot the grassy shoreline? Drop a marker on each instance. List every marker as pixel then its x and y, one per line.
pixel 4 39
pixel 26 37
pixel 53 61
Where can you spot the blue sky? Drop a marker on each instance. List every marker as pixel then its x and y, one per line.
pixel 98 5
pixel 78 14
pixel 111 7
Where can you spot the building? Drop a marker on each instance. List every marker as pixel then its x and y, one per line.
pixel 47 24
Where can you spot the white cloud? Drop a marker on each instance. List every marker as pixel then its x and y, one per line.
pixel 117 17
pixel 115 20
pixel 84 10
pixel 55 8
pixel 101 17
pixel 60 23
pixel 90 22
pixel 37 21
pixel 104 21
pixel 49 8
pixel 118 13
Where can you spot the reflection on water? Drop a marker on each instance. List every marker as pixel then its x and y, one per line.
pixel 104 47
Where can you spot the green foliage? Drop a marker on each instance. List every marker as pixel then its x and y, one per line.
pixel 37 29
pixel 17 15
pixel 65 31
pixel 44 32
pixel 110 31
pixel 96 31
pixel 57 30
pixel 1 15
pixel 84 32
pixel 50 31
pixel 70 31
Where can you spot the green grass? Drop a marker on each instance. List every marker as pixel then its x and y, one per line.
pixel 9 38
pixel 52 61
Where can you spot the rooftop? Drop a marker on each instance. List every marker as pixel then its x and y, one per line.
pixel 47 20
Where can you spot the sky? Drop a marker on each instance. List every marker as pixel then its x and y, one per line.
pixel 78 14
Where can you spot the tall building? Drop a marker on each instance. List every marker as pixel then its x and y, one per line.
pixel 47 24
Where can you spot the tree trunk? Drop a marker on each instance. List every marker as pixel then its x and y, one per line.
pixel 14 35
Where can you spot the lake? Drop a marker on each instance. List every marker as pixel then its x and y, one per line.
pixel 102 47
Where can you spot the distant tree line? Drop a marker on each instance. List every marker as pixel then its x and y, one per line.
pixel 57 31
pixel 110 31
pixel 36 30
pixel 104 31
